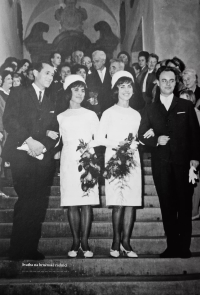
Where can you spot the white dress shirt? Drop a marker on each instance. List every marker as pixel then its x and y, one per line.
pixel 102 74
pixel 38 90
pixel 166 101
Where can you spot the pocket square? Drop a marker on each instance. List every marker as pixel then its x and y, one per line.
pixel 52 112
pixel 181 113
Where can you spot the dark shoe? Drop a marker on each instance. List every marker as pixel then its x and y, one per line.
pixel 169 253
pixel 34 256
pixel 185 254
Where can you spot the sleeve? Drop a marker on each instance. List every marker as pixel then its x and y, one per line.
pixel 102 132
pixel 194 134
pixel 145 125
pixel 95 126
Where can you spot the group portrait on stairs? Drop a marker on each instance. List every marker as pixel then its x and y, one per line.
pixel 94 118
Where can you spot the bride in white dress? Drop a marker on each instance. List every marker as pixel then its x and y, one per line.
pixel 76 123
pixel 115 125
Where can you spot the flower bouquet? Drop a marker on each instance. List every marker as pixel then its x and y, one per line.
pixel 120 164
pixel 89 164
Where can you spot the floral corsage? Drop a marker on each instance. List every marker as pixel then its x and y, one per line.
pixel 120 164
pixel 89 164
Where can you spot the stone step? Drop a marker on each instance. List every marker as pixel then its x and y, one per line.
pixel 149 285
pixel 99 266
pixel 99 229
pixel 100 214
pixel 54 202
pixel 141 245
pixel 149 189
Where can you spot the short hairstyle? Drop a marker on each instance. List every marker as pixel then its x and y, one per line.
pixel 99 53
pixel 119 61
pixel 190 94
pixel 65 64
pixel 179 63
pixel 154 56
pixel 126 53
pixel 119 82
pixel 167 69
pixel 145 54
pixel 4 74
pixel 191 72
pixel 53 53
pixel 77 67
pixel 38 66
pixel 16 75
pixel 68 91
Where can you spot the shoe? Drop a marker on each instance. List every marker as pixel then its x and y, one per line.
pixel 185 254
pixel 87 254
pixel 129 254
pixel 72 253
pixel 114 253
pixel 169 254
pixel 195 217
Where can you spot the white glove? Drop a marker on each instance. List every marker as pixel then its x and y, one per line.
pixel 192 175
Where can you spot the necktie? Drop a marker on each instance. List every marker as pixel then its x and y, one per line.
pixel 40 97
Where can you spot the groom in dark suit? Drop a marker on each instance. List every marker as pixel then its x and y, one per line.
pixel 30 120
pixel 176 148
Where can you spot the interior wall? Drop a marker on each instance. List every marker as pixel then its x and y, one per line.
pixel 9 39
pixel 141 10
pixel 177 30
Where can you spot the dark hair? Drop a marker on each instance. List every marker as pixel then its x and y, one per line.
pixel 154 56
pixel 190 94
pixel 120 81
pixel 7 65
pixel 145 54
pixel 38 66
pixel 179 63
pixel 68 91
pixel 126 53
pixel 53 53
pixel 11 59
pixel 167 69
pixel 4 74
pixel 77 67
pixel 22 62
pixel 15 75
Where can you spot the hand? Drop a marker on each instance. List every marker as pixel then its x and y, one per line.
pixel 134 145
pixel 163 139
pixel 52 134
pixel 35 147
pixel 194 163
pixel 1 136
pixel 149 133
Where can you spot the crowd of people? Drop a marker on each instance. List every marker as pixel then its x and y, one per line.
pixel 48 108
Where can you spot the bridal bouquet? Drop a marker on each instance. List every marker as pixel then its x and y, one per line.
pixel 89 164
pixel 120 164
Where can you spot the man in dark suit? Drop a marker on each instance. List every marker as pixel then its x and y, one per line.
pixel 142 60
pixel 30 121
pixel 176 148
pixel 149 79
pixel 100 79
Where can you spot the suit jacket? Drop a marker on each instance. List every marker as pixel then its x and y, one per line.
pixel 141 76
pixel 24 117
pixel 179 123
pixel 94 83
pixel 150 83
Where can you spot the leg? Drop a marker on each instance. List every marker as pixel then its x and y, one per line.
pixel 86 222
pixel 74 222
pixel 129 218
pixel 117 215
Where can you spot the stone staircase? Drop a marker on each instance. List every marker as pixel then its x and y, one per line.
pixel 102 274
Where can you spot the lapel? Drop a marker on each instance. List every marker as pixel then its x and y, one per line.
pixel 33 96
pixel 161 108
pixel 173 104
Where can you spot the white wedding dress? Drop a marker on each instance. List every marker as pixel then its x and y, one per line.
pixel 115 125
pixel 76 124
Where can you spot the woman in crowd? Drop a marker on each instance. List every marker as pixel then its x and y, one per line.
pixel 77 123
pixel 116 124
pixel 190 81
pixel 189 95
pixel 22 69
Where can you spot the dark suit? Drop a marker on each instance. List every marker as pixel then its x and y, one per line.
pixel 24 117
pixel 150 83
pixel 94 83
pixel 141 76
pixel 171 163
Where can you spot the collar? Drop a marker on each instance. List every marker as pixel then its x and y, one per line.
pixel 6 92
pixel 103 71
pixel 150 71
pixel 37 90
